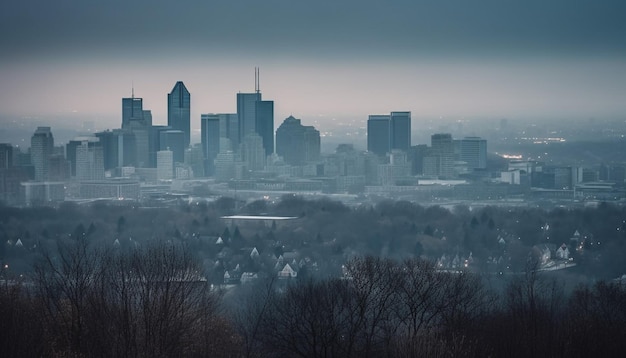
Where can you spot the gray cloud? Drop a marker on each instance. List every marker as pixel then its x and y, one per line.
pixel 322 28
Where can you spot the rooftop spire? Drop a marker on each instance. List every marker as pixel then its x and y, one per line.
pixel 257 86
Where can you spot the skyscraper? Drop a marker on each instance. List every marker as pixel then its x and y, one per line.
pixel 132 109
pixel 296 143
pixel 442 148
pixel 89 160
pixel 6 155
pixel 473 151
pixel 400 131
pixel 41 148
pixel 139 122
pixel 178 110
pixel 265 124
pixel 378 134
pixel 256 116
pixel 246 111
pixel 173 140
pixel 118 148
pixel 165 165
pixel 210 140
pixel 252 152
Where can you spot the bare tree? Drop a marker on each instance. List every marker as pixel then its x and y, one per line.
pixel 374 283
pixel 63 279
pixel 309 320
pixel 250 311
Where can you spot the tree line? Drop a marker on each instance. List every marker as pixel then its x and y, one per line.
pixel 84 302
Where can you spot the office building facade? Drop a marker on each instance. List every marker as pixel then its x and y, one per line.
pixel 297 144
pixel 178 110
pixel 41 149
pixel 378 134
pixel 400 131
pixel 473 151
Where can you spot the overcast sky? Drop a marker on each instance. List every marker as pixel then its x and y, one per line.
pixel 473 58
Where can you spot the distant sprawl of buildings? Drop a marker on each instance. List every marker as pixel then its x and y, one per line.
pixel 243 154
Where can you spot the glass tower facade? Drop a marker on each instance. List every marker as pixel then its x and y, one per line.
pixel 178 111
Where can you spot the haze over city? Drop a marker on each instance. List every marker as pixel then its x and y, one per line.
pixel 330 178
pixel 452 59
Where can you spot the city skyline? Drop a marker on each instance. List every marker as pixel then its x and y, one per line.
pixel 487 59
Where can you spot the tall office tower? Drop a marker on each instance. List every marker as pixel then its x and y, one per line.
pixel 141 130
pixel 210 134
pixel 70 149
pixel 378 134
pixel 155 134
pixel 417 153
pixel 442 148
pixel 252 152
pixel 165 165
pixel 173 140
pixel 397 168
pixel 230 123
pixel 139 122
pixel 41 148
pixel 178 111
pixel 296 143
pixel 89 160
pixel 265 124
pixel 132 110
pixel 225 166
pixel 194 159
pixel 400 131
pixel 118 148
pixel 246 113
pixel 6 156
pixel 256 116
pixel 70 153
pixel 473 151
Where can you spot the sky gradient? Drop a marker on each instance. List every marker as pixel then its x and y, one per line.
pixel 481 58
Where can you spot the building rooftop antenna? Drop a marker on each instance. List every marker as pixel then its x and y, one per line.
pixel 257 86
pixel 132 84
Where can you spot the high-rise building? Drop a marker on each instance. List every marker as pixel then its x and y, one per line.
pixel 442 148
pixel 378 134
pixel 141 131
pixel 252 153
pixel 473 151
pixel 178 111
pixel 155 145
pixel 72 145
pixel 400 131
pixel 256 116
pixel 118 148
pixel 139 122
pixel 132 110
pixel 41 148
pixel 297 144
pixel 210 134
pixel 89 160
pixel 194 160
pixel 246 112
pixel 416 156
pixel 265 124
pixel 165 165
pixel 173 140
pixel 6 156
pixel 225 166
